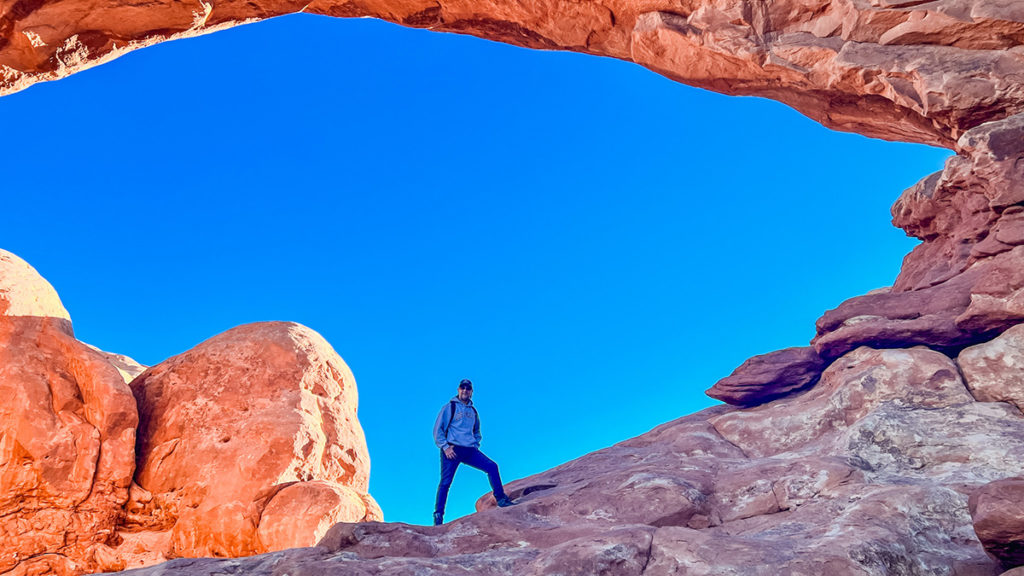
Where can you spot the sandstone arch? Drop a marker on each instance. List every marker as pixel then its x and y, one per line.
pixel 902 70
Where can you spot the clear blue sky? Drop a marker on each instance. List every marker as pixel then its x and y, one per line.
pixel 591 243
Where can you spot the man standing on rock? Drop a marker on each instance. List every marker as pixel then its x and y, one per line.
pixel 457 434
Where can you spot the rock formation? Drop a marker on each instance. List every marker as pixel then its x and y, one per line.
pixel 67 435
pixel 866 453
pixel 247 443
pixel 868 472
pixel 908 70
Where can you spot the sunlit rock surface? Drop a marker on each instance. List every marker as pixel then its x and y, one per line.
pixel 229 433
pixel 23 292
pixel 67 435
pixel 247 443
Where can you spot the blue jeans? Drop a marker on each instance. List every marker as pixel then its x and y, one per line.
pixel 470 457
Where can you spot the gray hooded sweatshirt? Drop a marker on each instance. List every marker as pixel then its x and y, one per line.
pixel 462 430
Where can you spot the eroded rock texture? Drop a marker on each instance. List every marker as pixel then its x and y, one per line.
pixel 870 472
pixel 67 435
pixel 249 442
pixel 897 69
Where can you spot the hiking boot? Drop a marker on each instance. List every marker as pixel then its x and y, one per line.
pixel 505 502
pixel 438 519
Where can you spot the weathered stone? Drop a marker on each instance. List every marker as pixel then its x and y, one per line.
pixel 879 490
pixel 67 445
pixel 769 376
pixel 921 72
pixel 994 371
pixel 972 307
pixel 23 292
pixel 225 426
pixel 301 513
pixel 965 213
pixel 998 513
pixel 849 390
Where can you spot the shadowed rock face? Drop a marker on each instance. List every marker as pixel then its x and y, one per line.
pixel 900 70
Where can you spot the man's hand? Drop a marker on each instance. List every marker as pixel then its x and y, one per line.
pixel 449 453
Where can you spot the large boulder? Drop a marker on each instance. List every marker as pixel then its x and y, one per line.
pixel 67 436
pixel 994 370
pixel 998 512
pixel 231 432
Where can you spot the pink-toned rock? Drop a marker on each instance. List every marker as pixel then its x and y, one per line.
pixel 769 376
pixel 850 388
pixel 994 371
pixel 965 213
pixel 998 513
pixel 229 426
pixel 67 445
pixel 972 307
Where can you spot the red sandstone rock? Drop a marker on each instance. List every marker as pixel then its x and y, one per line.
pixel 994 371
pixel 227 428
pixel 769 376
pixel 67 445
pixel 969 308
pixel 998 513
pixel 67 435
pixel 965 213
pixel 921 72
pixel 301 513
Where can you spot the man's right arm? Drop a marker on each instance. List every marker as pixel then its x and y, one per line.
pixel 441 428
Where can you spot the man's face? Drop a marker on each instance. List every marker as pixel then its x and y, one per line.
pixel 465 393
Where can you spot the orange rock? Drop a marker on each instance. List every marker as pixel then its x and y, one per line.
pixel 908 71
pixel 67 445
pixel 233 424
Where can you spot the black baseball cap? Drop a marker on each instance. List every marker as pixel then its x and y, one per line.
pixel 465 383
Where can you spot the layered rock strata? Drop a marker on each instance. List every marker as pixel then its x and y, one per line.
pixel 902 70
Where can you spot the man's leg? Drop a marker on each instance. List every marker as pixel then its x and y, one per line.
pixel 477 459
pixel 448 467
